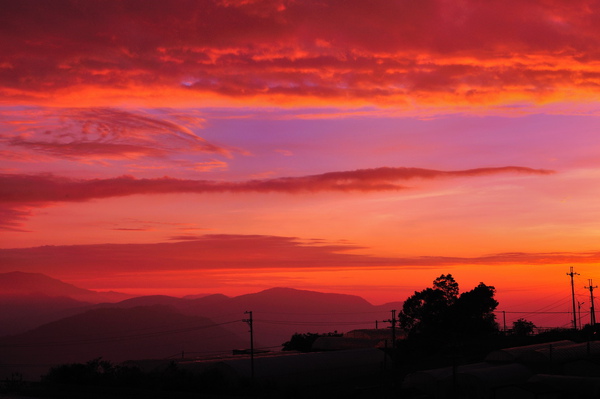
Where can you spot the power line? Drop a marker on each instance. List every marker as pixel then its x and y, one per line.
pixel 314 323
pixel 592 310
pixel 534 312
pixel 326 314
pixel 572 273
pixel 393 322
pixel 250 323
pixel 114 338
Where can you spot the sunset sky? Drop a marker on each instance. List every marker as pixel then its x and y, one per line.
pixel 359 147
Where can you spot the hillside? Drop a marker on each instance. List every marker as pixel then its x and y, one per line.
pixel 24 312
pixel 15 284
pixel 116 335
pixel 28 300
pixel 278 313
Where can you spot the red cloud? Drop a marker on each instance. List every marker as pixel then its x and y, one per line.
pixel 377 51
pixel 205 252
pixel 219 252
pixel 20 192
pixel 49 188
pixel 11 217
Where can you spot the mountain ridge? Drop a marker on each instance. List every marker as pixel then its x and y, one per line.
pixel 17 283
pixel 116 335
pixel 279 311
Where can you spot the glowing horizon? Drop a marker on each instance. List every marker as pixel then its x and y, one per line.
pixel 353 147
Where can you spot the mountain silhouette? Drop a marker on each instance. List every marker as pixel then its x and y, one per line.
pixel 28 300
pixel 69 329
pixel 20 283
pixel 143 332
pixel 290 299
pixel 280 312
pixel 24 312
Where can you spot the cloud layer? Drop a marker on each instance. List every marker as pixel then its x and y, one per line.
pixel 50 188
pixel 87 134
pixel 251 252
pixel 384 52
pixel 20 192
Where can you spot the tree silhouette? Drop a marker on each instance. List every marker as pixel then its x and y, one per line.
pixel 473 312
pixel 522 327
pixel 303 342
pixel 440 313
pixel 428 310
pixel 448 286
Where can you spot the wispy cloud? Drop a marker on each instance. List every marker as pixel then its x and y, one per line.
pixel 51 188
pixel 18 191
pixel 131 229
pixel 98 133
pixel 12 217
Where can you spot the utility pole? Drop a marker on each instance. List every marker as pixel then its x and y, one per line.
pixel 592 310
pixel 250 324
pixel 579 312
pixel 572 273
pixel 393 321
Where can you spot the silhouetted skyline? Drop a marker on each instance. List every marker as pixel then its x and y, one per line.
pixel 231 146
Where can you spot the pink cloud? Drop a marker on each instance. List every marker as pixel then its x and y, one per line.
pixel 208 165
pixel 285 153
pixel 102 133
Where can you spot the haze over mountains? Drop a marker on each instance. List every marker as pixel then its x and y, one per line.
pixel 45 321
pixel 19 283
pixel 28 300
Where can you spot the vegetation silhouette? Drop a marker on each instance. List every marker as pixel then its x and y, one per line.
pixel 523 328
pixel 98 373
pixel 443 326
pixel 304 342
pixel 440 314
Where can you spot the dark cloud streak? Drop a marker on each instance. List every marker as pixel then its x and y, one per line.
pixel 20 193
pixel 228 252
pixel 51 188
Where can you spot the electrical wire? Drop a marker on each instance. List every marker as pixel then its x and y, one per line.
pixel 114 338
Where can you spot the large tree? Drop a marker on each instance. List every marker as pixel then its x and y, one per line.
pixel 441 313
pixel 473 312
pixel 428 309
pixel 448 286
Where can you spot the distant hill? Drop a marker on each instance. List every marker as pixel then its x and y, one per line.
pixel 28 300
pixel 145 332
pixel 195 296
pixel 280 312
pixel 289 299
pixel 24 312
pixel 19 283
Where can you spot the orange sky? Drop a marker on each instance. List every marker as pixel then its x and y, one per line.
pixel 344 146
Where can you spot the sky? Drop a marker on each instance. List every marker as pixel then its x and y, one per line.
pixel 364 148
